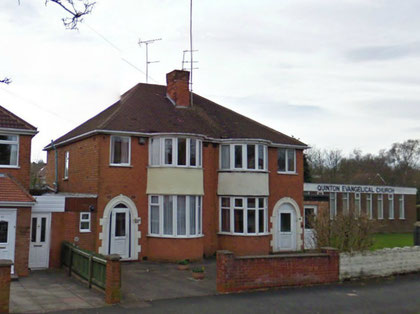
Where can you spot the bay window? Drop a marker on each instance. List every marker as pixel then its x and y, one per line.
pixel 9 150
pixel 178 152
pixel 243 157
pixel 243 215
pixel 286 160
pixel 120 150
pixel 175 215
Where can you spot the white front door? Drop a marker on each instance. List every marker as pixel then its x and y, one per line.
pixel 286 228
pixel 7 235
pixel 120 233
pixel 310 214
pixel 39 249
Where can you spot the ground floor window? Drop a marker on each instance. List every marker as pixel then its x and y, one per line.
pixel 243 215
pixel 175 215
pixel 401 205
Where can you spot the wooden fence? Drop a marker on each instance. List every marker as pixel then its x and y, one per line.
pixel 87 265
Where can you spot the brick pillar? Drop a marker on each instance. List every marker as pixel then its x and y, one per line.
pixel 225 261
pixel 113 279
pixel 334 263
pixel 5 266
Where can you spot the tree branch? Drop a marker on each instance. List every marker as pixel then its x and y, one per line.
pixel 77 8
pixel 6 80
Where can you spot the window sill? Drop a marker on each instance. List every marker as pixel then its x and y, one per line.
pixel 65 179
pixel 244 235
pixel 169 166
pixel 84 231
pixel 288 173
pixel 174 237
pixel 9 167
pixel 242 170
pixel 121 165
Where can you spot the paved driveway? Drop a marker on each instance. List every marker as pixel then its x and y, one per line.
pixel 52 290
pixel 147 281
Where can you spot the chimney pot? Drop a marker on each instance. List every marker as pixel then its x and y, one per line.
pixel 177 87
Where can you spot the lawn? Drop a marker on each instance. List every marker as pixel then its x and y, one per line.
pixel 390 240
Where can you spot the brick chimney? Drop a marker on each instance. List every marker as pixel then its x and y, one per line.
pixel 177 89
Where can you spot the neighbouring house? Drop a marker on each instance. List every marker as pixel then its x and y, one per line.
pixel 163 176
pixel 392 208
pixel 15 201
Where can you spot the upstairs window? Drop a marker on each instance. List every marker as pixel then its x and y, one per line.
pixel 120 150
pixel 66 165
pixel 178 152
pixel 9 148
pixel 286 160
pixel 243 157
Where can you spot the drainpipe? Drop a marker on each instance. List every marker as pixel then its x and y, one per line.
pixel 56 167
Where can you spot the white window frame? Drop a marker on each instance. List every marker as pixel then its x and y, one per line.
pixel 9 142
pixel 358 203
pixel 66 164
pixel 161 158
pixel 369 205
pixel 380 202
pixel 244 166
pixel 346 202
pixel 333 201
pixel 198 216
pixel 391 209
pixel 287 171
pixel 401 206
pixel 88 220
pixel 245 208
pixel 111 151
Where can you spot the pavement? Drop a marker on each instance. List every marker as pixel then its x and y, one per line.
pixel 142 282
pixel 398 294
pixel 148 281
pixel 51 290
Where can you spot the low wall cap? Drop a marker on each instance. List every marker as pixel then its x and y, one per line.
pixel 113 257
pixel 5 262
pixel 417 224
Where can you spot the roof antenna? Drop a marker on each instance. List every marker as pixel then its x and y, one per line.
pixel 147 42
pixel 191 55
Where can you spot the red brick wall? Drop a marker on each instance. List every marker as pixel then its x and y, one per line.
pixel 83 166
pixel 210 198
pixel 285 185
pixel 246 273
pixel 22 174
pixel 172 250
pixel 4 286
pixel 23 229
pixel 245 245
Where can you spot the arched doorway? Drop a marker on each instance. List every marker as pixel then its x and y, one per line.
pixel 120 233
pixel 287 228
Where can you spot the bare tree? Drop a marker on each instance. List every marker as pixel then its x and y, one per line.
pixel 76 8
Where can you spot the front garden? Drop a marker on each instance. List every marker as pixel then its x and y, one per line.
pixel 391 240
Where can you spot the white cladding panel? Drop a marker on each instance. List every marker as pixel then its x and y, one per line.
pixel 243 183
pixel 49 203
pixel 175 181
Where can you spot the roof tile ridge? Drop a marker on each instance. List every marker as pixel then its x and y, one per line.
pixel 17 118
pixel 252 120
pixel 23 189
pixel 123 99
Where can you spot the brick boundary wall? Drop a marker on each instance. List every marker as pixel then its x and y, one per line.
pixel 380 263
pixel 5 268
pixel 256 272
pixel 113 279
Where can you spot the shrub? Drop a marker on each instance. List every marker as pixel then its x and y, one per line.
pixel 347 232
pixel 183 262
pixel 198 269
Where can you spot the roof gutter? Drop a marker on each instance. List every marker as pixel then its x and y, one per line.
pixel 18 131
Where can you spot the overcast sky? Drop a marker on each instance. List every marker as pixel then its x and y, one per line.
pixel 335 74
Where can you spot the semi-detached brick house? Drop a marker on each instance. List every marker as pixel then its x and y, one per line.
pixel 15 201
pixel 155 176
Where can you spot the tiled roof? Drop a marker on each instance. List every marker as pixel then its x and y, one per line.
pixel 12 191
pixel 9 120
pixel 146 109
